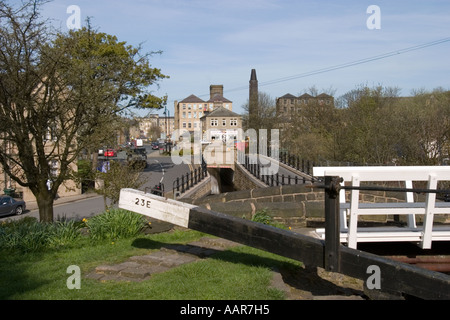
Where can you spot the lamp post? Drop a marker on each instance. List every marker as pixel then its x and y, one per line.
pixel 166 124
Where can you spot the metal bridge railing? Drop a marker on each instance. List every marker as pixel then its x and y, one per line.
pixel 186 181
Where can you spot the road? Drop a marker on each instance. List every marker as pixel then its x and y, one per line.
pixel 159 169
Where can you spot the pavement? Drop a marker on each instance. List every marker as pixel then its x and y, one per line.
pixel 32 205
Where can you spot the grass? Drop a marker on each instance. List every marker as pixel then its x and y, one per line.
pixel 240 273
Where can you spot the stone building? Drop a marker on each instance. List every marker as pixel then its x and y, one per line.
pixel 189 110
pixel 289 104
pixel 155 126
pixel 221 123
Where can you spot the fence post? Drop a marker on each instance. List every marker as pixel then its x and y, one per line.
pixel 332 233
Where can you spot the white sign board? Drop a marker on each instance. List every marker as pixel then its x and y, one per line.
pixel 154 206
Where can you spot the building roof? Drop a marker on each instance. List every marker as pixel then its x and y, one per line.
pixel 192 98
pixel 288 96
pixel 218 97
pixel 306 96
pixel 324 95
pixel 221 112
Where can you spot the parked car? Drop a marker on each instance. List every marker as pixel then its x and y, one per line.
pixel 155 146
pixel 137 158
pixel 9 205
pixel 110 153
pixel 141 151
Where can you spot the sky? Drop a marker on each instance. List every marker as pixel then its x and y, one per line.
pixel 334 46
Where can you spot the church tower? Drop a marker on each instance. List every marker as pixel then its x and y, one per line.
pixel 253 101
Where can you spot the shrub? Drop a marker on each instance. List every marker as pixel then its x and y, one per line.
pixel 28 234
pixel 115 224
pixel 263 217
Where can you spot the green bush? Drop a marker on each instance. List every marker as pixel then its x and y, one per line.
pixel 28 234
pixel 263 217
pixel 115 224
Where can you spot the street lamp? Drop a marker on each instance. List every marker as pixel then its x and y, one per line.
pixel 167 128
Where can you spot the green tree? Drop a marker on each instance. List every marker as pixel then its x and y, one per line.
pixel 366 133
pixel 119 176
pixel 59 95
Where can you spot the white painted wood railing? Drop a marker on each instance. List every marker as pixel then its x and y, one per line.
pixel 423 234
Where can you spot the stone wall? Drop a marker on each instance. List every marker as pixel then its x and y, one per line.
pixel 200 190
pixel 292 205
pixel 244 180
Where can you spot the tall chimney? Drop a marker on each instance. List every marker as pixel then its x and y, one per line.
pixel 253 109
pixel 215 89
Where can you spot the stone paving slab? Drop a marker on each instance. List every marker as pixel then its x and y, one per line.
pixel 140 268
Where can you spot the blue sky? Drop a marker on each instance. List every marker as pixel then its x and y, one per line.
pixel 208 42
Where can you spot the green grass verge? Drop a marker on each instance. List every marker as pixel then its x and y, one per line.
pixel 237 274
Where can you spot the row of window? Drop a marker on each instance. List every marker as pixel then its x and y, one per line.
pixel 189 125
pixel 304 101
pixel 213 123
pixel 200 105
pixel 191 115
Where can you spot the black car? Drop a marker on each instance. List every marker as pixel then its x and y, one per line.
pixel 155 146
pixel 9 205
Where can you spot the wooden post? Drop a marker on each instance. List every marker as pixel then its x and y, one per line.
pixel 332 234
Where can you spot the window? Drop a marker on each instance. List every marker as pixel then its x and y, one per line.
pixel 233 122
pixel 54 168
pixel 224 122
pixel 184 106
pixel 189 115
pixel 184 124
pixel 184 115
pixel 214 123
pixel 189 125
